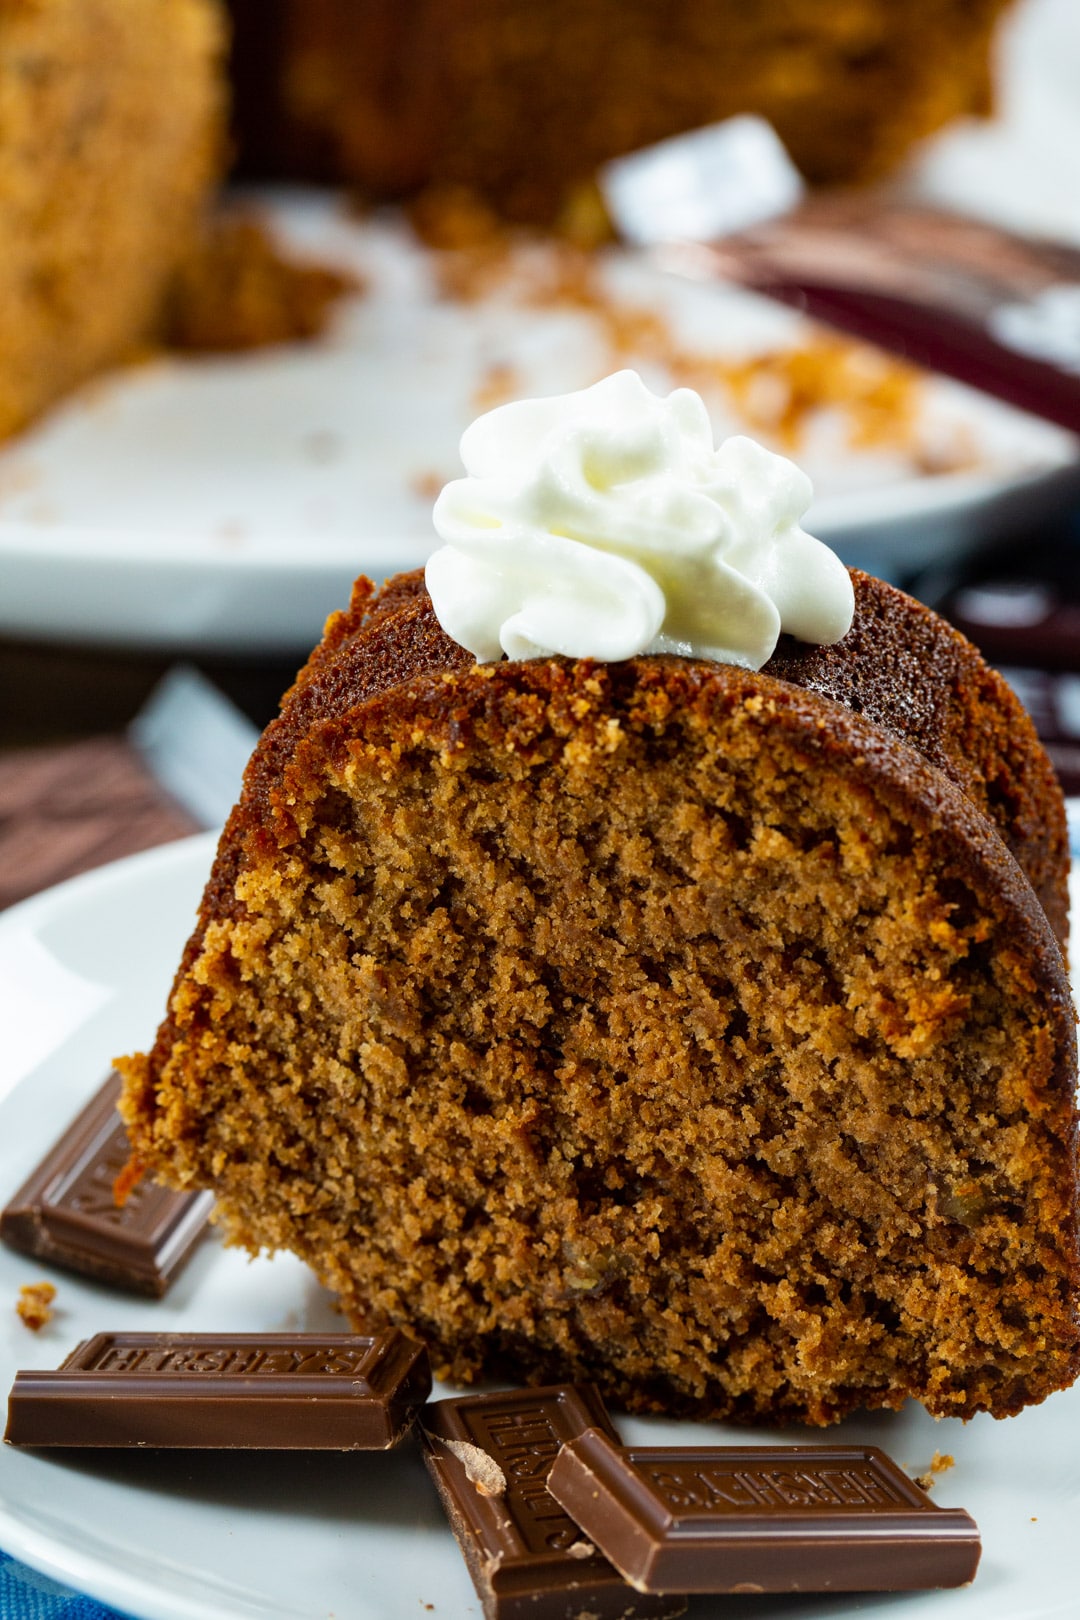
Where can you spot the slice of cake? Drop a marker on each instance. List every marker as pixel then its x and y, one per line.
pixel 688 1015
pixel 111 137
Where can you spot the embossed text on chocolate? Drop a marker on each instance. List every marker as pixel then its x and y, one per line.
pixel 267 1391
pixel 270 1359
pixel 825 1518
pixel 731 1488
pixel 525 1445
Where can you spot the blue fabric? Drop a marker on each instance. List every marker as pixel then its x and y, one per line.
pixel 26 1595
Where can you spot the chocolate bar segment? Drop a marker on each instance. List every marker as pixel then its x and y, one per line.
pixel 65 1213
pixel 489 1456
pixel 761 1519
pixel 262 1391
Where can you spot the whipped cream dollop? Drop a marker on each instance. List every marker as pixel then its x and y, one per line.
pixel 607 523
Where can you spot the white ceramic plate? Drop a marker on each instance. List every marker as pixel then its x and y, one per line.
pixel 84 971
pixel 228 503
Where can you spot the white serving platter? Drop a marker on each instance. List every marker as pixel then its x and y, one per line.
pixel 226 504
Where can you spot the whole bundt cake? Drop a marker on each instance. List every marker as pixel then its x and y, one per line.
pixel 698 1030
pixel 521 102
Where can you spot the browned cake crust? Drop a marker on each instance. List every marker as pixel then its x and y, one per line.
pixel 907 671
pixel 655 1023
pixel 900 665
pixel 522 101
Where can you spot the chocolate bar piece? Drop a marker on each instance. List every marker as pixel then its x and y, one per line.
pixel 263 1391
pixel 65 1213
pixel 761 1518
pixel 489 1456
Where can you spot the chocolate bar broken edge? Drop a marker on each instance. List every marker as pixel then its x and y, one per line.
pixel 368 1406
pixel 907 1545
pixel 141 1248
pixel 513 1580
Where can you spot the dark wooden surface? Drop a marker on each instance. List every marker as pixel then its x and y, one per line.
pixel 73 792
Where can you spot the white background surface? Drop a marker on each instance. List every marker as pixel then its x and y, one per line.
pixel 228 503
pixel 352 1537
pixel 1022 169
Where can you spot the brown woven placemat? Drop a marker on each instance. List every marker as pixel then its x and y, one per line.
pixel 68 807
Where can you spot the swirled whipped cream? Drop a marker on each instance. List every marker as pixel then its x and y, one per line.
pixel 606 523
